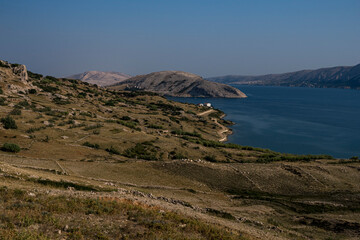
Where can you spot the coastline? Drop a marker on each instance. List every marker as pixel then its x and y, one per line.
pixel 226 130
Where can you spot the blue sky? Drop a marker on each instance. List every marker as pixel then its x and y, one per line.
pixel 205 37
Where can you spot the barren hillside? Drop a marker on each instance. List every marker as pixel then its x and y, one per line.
pixel 82 162
pixel 179 84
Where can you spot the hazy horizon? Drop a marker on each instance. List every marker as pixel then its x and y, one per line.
pixel 208 38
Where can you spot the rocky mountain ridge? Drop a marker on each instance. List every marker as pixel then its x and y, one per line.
pixel 100 78
pixel 333 77
pixel 179 84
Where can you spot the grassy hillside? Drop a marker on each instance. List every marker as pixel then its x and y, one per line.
pixel 78 161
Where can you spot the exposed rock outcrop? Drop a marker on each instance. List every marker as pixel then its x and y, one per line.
pixel 19 78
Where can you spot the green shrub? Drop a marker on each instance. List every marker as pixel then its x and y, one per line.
pixel 129 124
pixel 175 155
pixel 210 158
pixel 93 127
pixel 32 91
pixel 221 214
pixel 46 88
pixel 9 123
pixel 34 129
pixel 10 147
pixel 4 65
pixel 110 103
pixel 82 95
pixel 143 150
pixel 155 126
pixel 34 75
pixel 181 132
pixel 125 118
pixel 1 91
pixel 91 145
pixel 60 101
pixel 15 111
pixel 112 150
pixel 52 79
pixel 2 101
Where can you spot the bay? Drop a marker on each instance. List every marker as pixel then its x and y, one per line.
pixel 293 120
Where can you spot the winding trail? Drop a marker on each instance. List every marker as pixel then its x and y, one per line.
pixel 206 112
pixel 222 132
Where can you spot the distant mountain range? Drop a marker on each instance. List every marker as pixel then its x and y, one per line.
pixel 179 84
pixel 100 78
pixel 333 77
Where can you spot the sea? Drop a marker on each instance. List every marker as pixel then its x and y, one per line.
pixel 293 119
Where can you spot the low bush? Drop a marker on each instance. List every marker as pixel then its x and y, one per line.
pixel 91 145
pixel 210 158
pixel 112 150
pixel 35 129
pixel 2 101
pixel 10 147
pixel 63 184
pixel 125 118
pixel 93 127
pixel 110 103
pixel 155 126
pixel 175 155
pixel 60 101
pixel 129 124
pixel 4 65
pixel 221 214
pixel 9 123
pixel 191 134
pixel 15 111
pixel 82 95
pixel 143 150
pixel 34 75
pixel 32 91
pixel 275 157
pixel 22 104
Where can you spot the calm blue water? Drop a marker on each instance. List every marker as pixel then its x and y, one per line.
pixel 294 120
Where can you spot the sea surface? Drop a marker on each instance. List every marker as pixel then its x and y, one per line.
pixel 293 119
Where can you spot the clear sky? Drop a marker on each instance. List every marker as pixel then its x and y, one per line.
pixel 205 37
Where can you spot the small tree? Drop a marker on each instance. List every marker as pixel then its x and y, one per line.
pixel 9 123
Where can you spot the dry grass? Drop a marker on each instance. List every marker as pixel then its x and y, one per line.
pixel 260 192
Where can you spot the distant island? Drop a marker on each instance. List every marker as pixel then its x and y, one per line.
pixel 178 84
pixel 100 78
pixel 333 77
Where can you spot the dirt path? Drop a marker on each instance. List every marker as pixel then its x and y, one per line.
pixel 206 112
pixel 222 132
